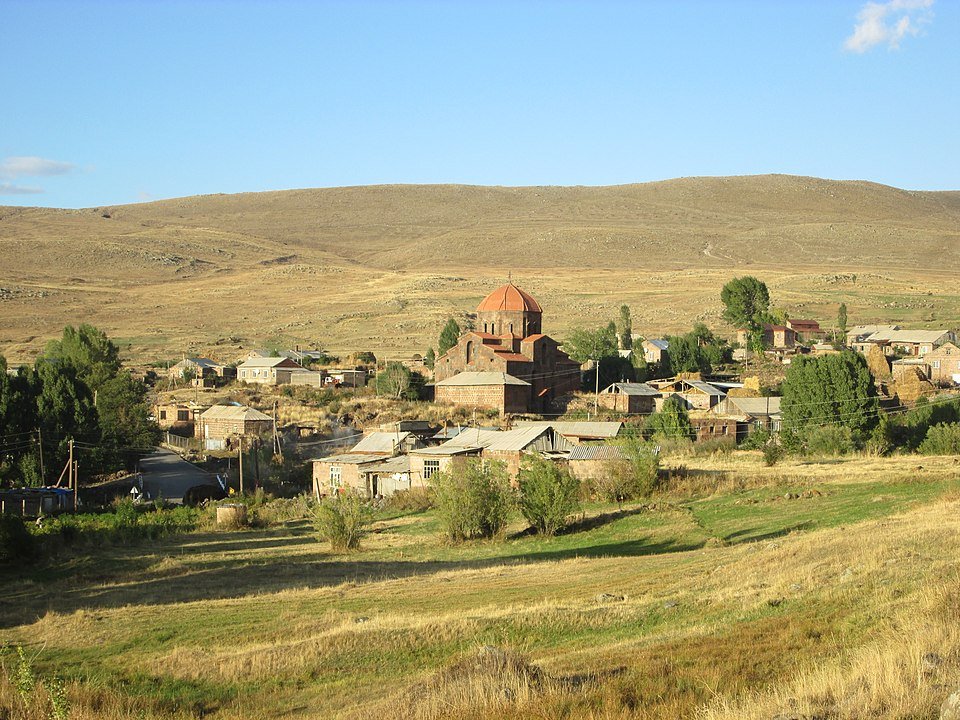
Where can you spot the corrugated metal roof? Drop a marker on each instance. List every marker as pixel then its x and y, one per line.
pixel 233 412
pixel 447 449
pixel 483 378
pixel 520 438
pixel 398 464
pixel 580 428
pixel 755 406
pixel 473 437
pixel 633 389
pixel 659 342
pixel 259 362
pixel 352 459
pixel 704 387
pixel 383 442
pixel 596 452
pixel 908 336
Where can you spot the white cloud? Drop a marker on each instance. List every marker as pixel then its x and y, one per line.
pixel 888 23
pixel 10 189
pixel 31 166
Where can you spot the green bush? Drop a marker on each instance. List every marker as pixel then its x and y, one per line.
pixel 548 494
pixel 473 498
pixel 756 440
pixel 342 521
pixel 16 542
pixel 772 453
pixel 943 439
pixel 671 421
pixel 829 440
pixel 412 500
pixel 634 476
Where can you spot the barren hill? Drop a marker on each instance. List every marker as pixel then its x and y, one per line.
pixel 381 266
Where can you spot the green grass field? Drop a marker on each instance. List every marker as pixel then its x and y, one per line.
pixel 736 583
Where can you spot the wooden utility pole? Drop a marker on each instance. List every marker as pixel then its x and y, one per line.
pixel 73 476
pixel 240 461
pixel 43 475
pixel 596 397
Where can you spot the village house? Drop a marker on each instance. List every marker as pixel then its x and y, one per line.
pixel 221 427
pixel 777 337
pixel 915 343
pixel 944 364
pixel 507 346
pixel 491 390
pixel 201 368
pixel 592 462
pixel 696 394
pixel 751 413
pixel 267 370
pixel 629 398
pixel 177 417
pixel 580 431
pixel 806 330
pixel 710 426
pixel 339 377
pixel 655 350
pixel 347 472
pixel 857 335
pixel 426 462
pixel 903 368
pixel 392 443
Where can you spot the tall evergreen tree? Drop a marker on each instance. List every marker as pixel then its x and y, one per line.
pixel 830 390
pixel 449 336
pixel 625 328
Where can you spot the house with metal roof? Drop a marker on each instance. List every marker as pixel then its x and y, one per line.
pixel 221 426
pixel 485 389
pixel 391 443
pixel 346 472
pixel 751 413
pixel 696 394
pixel 580 431
pixel 632 398
pixel 267 370
pixel 915 343
pixel 655 350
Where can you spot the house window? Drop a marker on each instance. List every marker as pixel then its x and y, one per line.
pixel 935 364
pixel 163 414
pixel 183 415
pixel 430 467
pixel 335 477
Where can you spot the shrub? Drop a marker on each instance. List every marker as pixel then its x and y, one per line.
pixel 671 421
pixel 943 439
pixel 829 440
pixel 548 495
pixel 413 500
pixel 473 498
pixel 16 542
pixel 342 521
pixel 772 453
pixel 756 440
pixel 636 475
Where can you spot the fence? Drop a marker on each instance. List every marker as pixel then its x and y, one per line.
pixel 179 443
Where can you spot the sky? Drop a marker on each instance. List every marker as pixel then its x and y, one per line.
pixel 106 103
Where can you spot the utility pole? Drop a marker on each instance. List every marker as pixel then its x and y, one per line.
pixel 596 397
pixel 73 480
pixel 43 475
pixel 240 460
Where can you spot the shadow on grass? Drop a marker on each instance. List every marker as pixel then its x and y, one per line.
pixel 125 578
pixel 754 534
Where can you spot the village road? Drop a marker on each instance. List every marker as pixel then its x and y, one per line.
pixel 168 475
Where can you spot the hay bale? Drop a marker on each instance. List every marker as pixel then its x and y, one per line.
pixel 877 363
pixel 232 516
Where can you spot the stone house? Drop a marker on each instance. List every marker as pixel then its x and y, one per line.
pixel 201 368
pixel 221 425
pixel 944 364
pixel 391 443
pixel 581 431
pixel 426 462
pixel 752 413
pixel 629 398
pixel 267 371
pixel 655 350
pixel 894 341
pixel 347 472
pixel 709 426
pixel 493 390
pixel 778 337
pixel 806 330
pixel 179 418
pixel 696 394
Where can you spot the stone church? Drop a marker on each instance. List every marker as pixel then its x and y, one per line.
pixel 507 362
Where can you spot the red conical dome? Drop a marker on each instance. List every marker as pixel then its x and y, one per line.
pixel 509 298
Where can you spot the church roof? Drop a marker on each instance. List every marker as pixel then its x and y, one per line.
pixel 511 298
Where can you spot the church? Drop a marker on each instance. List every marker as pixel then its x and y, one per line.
pixel 506 362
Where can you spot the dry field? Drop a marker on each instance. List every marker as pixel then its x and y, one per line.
pixel 726 600
pixel 381 268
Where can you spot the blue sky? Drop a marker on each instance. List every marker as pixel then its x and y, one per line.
pixel 116 102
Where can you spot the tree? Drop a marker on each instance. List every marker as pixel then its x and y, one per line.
pixel 686 355
pixel 625 328
pixel 746 302
pixel 633 475
pixel 671 421
pixel 473 498
pixel 126 430
pixel 842 319
pixel 430 359
pixel 583 345
pixel 88 351
pixel 830 390
pixel 398 381
pixel 64 407
pixel 449 336
pixel 548 494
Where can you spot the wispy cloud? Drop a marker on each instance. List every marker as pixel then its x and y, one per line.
pixel 32 166
pixel 887 23
pixel 11 189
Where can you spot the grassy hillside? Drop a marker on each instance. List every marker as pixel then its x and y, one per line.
pixel 725 599
pixel 381 267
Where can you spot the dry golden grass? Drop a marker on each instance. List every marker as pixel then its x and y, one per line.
pixel 381 268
